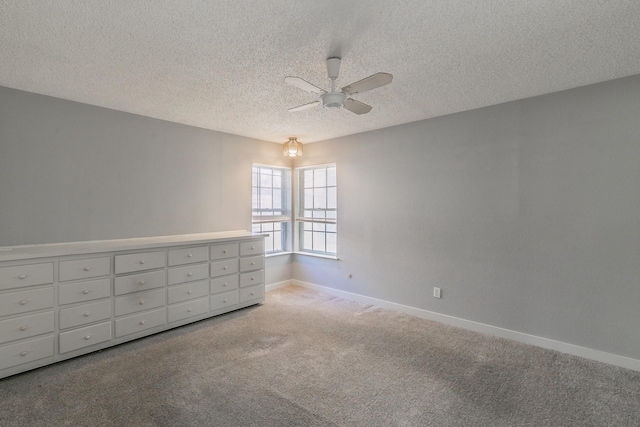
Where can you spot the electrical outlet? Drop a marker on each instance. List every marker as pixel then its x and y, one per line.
pixel 437 293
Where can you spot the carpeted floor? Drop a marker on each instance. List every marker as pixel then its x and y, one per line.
pixel 309 359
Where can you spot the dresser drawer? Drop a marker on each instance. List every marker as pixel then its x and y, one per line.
pixel 140 322
pixel 251 278
pixel 85 314
pixel 224 250
pixel 188 255
pixel 25 275
pixel 25 301
pixel 25 352
pixel 139 282
pixel 189 273
pixel 139 301
pixel 188 309
pixel 26 326
pixel 84 268
pixel 84 337
pixel 188 291
pixel 140 262
pixel 224 300
pixel 252 293
pixel 254 247
pixel 252 263
pixel 225 283
pixel 222 268
pixel 84 291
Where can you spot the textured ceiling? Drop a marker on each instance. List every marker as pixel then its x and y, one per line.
pixel 220 64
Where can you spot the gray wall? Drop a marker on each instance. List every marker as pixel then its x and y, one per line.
pixel 526 214
pixel 72 172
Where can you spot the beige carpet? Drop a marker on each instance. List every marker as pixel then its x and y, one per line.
pixel 309 359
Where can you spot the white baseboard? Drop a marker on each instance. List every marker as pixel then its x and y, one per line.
pixel 278 285
pixel 587 353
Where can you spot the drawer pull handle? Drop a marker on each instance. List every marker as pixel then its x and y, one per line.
pixel 253 248
pixel 141 302
pixel 189 274
pixel 252 293
pixel 141 282
pixel 224 268
pixel 224 284
pixel 23 328
pixel 24 353
pixel 224 301
pixel 87 314
pixel 22 276
pixel 189 310
pixel 86 291
pixel 87 268
pixel 224 252
pixel 253 263
pixel 87 337
pixel 190 256
pixel 253 278
pixel 141 261
pixel 141 322
pixel 23 302
pixel 189 291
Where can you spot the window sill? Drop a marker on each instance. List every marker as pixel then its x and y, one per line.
pixel 317 255
pixel 274 254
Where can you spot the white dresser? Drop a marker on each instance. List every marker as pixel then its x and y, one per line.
pixel 59 301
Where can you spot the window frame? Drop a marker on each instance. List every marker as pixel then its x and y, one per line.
pixel 284 218
pixel 300 219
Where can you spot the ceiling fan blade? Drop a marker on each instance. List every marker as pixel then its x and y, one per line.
pixel 304 85
pixel 304 106
pixel 356 107
pixel 371 82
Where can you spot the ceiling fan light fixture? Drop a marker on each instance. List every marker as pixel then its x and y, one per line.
pixel 333 100
pixel 292 147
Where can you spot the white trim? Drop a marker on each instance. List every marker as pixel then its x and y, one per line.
pixel 264 165
pixel 318 220
pixel 277 285
pixel 267 219
pixel 316 255
pixel 575 350
pixel 321 165
pixel 273 254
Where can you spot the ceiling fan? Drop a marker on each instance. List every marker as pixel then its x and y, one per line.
pixel 340 99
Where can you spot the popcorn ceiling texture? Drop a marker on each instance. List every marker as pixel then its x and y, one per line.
pixel 220 65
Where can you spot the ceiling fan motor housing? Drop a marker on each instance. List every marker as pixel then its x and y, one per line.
pixel 333 100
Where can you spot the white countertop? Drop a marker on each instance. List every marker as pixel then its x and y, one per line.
pixel 12 253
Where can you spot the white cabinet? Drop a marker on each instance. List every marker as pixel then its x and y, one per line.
pixel 26 326
pixel 140 261
pixel 140 322
pixel 27 323
pixel 188 256
pixel 188 291
pixel 84 268
pixel 63 300
pixel 140 282
pixel 84 314
pixel 85 337
pixel 26 275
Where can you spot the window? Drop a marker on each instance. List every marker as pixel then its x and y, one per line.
pixel 317 214
pixel 271 206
